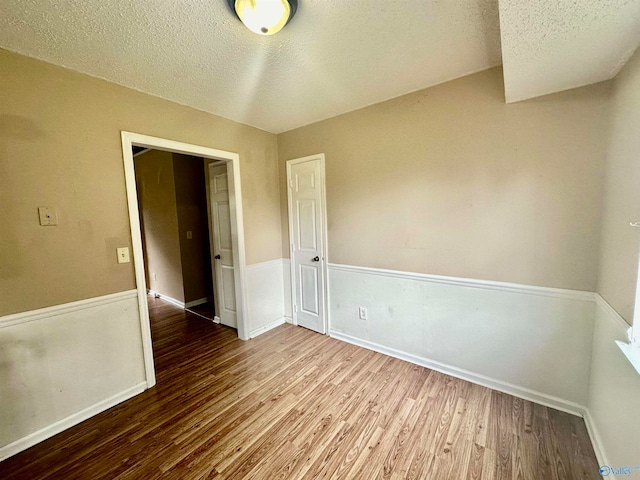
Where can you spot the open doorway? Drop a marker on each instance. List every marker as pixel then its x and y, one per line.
pixel 230 162
pixel 172 203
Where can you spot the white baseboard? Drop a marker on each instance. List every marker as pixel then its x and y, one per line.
pixel 61 425
pixel 596 440
pixel 166 298
pixel 267 327
pixel 614 391
pixel 516 391
pixel 100 335
pixel 199 301
pixel 288 320
pixel 533 339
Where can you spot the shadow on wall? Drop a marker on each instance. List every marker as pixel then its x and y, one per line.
pixel 14 129
pixel 18 128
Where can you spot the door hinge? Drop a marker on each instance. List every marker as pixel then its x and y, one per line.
pixel 295 308
pixel 290 183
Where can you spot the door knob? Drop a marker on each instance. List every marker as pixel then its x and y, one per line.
pixel 316 259
pixel 217 257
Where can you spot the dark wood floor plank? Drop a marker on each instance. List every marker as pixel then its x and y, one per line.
pixel 292 404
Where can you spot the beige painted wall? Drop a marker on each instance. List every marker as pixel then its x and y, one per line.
pixel 452 181
pixel 60 145
pixel 155 183
pixel 621 242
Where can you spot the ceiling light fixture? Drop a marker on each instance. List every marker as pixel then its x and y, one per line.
pixel 264 17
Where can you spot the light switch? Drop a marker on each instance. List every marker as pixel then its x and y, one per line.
pixel 189 235
pixel 48 216
pixel 123 255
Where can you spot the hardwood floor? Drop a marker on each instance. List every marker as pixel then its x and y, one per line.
pixel 205 310
pixel 295 404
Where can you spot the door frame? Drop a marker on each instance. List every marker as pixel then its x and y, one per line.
pixel 232 160
pixel 216 286
pixel 325 242
pixel 207 164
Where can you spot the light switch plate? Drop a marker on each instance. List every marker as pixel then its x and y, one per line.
pixel 123 255
pixel 48 216
pixel 189 235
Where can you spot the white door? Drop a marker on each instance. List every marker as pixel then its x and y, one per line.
pixel 225 295
pixel 307 238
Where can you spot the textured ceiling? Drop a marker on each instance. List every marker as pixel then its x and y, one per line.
pixel 554 45
pixel 335 56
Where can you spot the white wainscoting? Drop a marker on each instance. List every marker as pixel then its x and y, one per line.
pixel 614 394
pixel 265 296
pixel 532 342
pixel 288 303
pixel 61 365
pixel 64 364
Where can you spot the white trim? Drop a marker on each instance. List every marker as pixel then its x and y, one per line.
pixel 632 352
pixel 237 229
pixel 634 336
pixel 237 240
pixel 199 301
pixel 212 253
pixel 616 319
pixel 516 391
pixel 578 295
pixel 621 327
pixel 178 303
pixel 596 440
pixel 68 422
pixel 47 312
pixel 166 298
pixel 325 238
pixel 269 263
pixel 212 218
pixel 288 320
pixel 630 349
pixel 267 327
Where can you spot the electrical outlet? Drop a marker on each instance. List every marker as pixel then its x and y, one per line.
pixel 362 313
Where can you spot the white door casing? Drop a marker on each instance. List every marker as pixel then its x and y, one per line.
pixel 235 196
pixel 308 244
pixel 225 296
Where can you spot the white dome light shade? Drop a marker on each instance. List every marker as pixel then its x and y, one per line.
pixel 264 17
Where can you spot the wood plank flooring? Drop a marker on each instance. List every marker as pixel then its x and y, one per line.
pixel 293 404
pixel 205 310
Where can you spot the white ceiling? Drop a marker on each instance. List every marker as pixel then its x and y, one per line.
pixel 554 45
pixel 335 56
